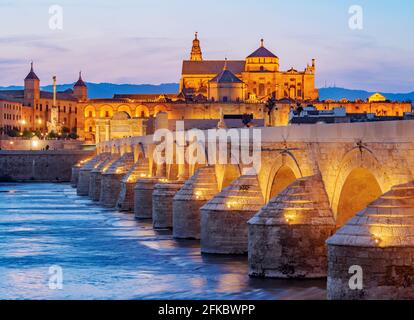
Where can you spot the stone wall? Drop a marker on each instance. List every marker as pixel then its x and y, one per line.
pixel 40 165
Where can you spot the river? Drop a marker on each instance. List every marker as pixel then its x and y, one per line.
pixel 46 230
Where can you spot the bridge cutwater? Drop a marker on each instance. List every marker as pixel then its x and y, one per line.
pixel 326 198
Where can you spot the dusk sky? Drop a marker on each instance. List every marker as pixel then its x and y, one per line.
pixel 145 41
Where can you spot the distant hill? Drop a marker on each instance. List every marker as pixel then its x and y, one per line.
pixel 339 93
pixel 107 90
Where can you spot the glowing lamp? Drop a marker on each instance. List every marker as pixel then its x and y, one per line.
pixel 377 239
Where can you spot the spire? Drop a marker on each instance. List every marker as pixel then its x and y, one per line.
pixel 225 64
pixel 196 54
pixel 80 82
pixel 32 75
pixel 262 42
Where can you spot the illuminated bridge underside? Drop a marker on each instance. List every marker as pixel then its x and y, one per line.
pixel 349 183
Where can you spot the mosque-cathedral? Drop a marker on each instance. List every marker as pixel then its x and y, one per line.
pixel 209 89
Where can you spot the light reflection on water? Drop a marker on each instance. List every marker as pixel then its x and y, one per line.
pixel 108 255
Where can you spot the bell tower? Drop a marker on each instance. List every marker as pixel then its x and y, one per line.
pixel 80 90
pixel 31 88
pixel 196 54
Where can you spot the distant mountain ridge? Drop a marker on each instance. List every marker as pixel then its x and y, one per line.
pixel 340 93
pixel 107 90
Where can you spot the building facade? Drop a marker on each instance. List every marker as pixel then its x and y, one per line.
pixel 36 104
pixel 259 72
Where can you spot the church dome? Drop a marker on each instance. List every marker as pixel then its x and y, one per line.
pixel 262 52
pixel 226 76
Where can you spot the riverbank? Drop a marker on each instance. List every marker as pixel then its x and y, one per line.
pixel 44 166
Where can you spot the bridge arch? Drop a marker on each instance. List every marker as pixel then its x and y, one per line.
pixel 360 180
pixel 284 170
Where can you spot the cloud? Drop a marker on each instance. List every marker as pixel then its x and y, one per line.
pixel 34 41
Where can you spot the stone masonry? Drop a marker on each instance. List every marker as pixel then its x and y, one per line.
pixel 85 173
pixel 224 218
pixel 162 203
pixel 195 193
pixel 96 177
pixel 126 197
pixel 379 240
pixel 143 197
pixel 111 179
pixel 287 236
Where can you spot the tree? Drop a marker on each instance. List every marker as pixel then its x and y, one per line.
pixel 52 135
pixel 27 134
pixel 73 136
pixel 270 106
pixel 13 133
pixel 65 130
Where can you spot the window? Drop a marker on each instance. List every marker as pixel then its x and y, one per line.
pixel 90 129
pixel 107 114
pixel 225 99
pixel 90 114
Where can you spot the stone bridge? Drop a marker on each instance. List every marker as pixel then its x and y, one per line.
pixel 326 198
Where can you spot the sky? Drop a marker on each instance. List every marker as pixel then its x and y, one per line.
pixel 145 41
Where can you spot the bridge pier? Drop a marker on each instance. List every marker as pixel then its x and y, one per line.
pixel 195 193
pixel 224 218
pixel 378 242
pixel 287 236
pixel 75 173
pixel 111 179
pixel 125 200
pixel 85 173
pixel 96 177
pixel 143 197
pixel 162 203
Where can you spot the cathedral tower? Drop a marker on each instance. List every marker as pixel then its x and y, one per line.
pixel 196 54
pixel 80 90
pixel 31 88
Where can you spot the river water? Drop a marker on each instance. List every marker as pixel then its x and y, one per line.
pixel 48 233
